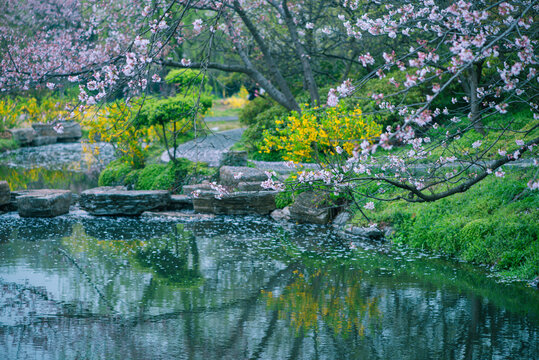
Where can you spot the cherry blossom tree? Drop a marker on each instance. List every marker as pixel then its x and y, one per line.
pixel 481 55
pixel 468 61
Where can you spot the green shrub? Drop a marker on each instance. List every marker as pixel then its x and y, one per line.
pixel 115 173
pixel 283 199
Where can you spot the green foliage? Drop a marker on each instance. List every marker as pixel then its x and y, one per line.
pixel 115 172
pixel 177 108
pixel 496 223
pixel 283 199
pixel 8 144
pixel 260 114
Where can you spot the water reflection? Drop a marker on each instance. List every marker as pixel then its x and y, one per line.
pixel 242 289
pixel 71 166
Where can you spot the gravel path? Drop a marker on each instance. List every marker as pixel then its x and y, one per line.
pixel 208 148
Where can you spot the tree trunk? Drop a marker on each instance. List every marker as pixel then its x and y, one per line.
pixel 474 76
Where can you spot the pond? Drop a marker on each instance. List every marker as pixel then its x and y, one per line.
pixel 73 166
pixel 83 287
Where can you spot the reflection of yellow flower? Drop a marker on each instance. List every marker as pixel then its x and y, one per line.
pixel 314 298
pixel 315 132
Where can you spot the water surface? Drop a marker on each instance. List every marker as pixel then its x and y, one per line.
pixel 83 287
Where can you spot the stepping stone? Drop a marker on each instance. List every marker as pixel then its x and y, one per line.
pixel 111 201
pixel 178 215
pixel 237 203
pixel 44 203
pixel 180 202
pixel 233 175
pixel 5 193
pixel 24 136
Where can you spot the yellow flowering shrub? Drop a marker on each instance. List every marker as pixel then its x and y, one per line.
pixel 319 133
pixel 239 101
pixel 113 123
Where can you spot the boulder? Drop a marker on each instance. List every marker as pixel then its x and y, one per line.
pixel 12 204
pixel 236 203
pixel 250 186
pixel 44 140
pixel 180 202
pixel 44 129
pixel 72 131
pixel 189 189
pixel 24 136
pixel 342 218
pixel 117 201
pixel 367 232
pixel 281 214
pixel 5 193
pixel 233 175
pixel 44 203
pixel 234 158
pixel 314 208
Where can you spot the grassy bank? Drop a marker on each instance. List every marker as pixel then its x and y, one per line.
pixel 495 223
pixel 154 176
pixel 8 144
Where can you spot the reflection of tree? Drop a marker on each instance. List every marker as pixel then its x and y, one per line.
pixel 169 257
pixel 327 296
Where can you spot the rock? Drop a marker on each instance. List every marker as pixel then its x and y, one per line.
pixel 188 189
pixel 44 203
pixel 178 215
pixel 250 186
pixel 180 202
pixel 113 201
pixel 535 283
pixel 342 218
pixel 233 175
pixel 369 232
pixel 72 131
pixel 44 140
pixel 44 129
pixel 315 208
pixel 234 158
pixel 281 214
pixel 5 193
pixel 236 203
pixel 12 204
pixel 24 136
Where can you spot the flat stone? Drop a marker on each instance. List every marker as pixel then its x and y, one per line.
pixel 189 189
pixel 237 203
pixel 43 140
pixel 44 129
pixel 44 203
pixel 233 175
pixel 72 131
pixel 250 186
pixel 178 215
pixel 24 136
pixel 5 193
pixel 111 201
pixel 314 208
pixel 281 214
pixel 180 202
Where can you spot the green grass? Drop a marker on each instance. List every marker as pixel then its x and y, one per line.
pixel 154 176
pixel 8 144
pixel 495 223
pixel 220 110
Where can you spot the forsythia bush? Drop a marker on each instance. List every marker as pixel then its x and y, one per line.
pixel 320 132
pixel 239 101
pixel 113 124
